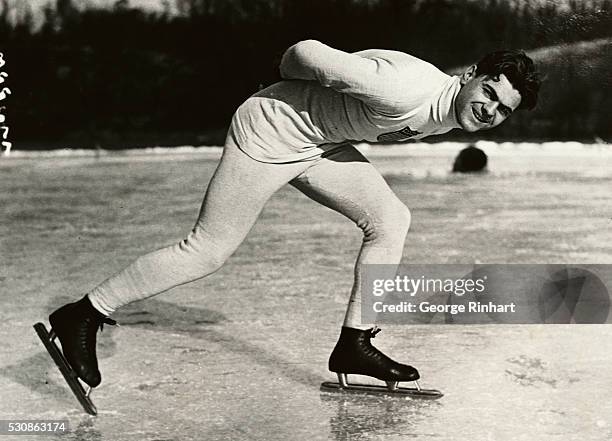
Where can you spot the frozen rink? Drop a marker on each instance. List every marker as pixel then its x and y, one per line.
pixel 240 355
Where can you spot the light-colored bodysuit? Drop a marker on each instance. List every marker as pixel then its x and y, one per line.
pixel 373 95
pixel 298 131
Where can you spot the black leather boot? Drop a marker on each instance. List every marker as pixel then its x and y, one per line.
pixel 76 325
pixel 354 354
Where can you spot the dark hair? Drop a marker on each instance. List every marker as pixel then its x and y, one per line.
pixel 518 68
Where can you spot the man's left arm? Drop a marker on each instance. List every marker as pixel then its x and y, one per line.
pixel 373 81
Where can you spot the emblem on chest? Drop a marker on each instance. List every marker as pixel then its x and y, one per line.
pixel 399 135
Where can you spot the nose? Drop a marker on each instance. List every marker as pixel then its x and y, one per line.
pixel 489 109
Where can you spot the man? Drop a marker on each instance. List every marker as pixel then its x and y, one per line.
pixel 297 131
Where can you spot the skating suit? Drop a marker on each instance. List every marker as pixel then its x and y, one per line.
pixel 330 97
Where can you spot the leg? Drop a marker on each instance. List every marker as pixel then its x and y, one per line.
pixel 236 195
pixel 346 182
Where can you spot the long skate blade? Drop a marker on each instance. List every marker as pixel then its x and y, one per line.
pixel 431 394
pixel 69 375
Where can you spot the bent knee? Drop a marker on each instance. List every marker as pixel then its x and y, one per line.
pixel 406 216
pixel 203 256
pixel 397 219
pixel 392 222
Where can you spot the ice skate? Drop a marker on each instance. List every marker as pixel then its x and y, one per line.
pixel 75 325
pixel 355 354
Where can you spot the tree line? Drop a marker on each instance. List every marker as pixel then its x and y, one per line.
pixel 123 77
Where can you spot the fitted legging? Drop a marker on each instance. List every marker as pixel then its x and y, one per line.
pixel 342 180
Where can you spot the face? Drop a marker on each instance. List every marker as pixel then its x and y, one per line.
pixel 484 102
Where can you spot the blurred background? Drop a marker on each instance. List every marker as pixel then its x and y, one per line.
pixel 119 74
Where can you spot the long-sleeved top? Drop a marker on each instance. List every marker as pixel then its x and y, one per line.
pixel 329 97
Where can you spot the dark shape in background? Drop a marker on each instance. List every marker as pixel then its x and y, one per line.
pixel 121 77
pixel 470 160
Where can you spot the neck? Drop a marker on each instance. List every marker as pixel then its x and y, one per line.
pixel 443 106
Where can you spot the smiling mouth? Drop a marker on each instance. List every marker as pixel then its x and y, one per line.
pixel 479 117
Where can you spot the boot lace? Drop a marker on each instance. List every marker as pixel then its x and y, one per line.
pixel 371 350
pixel 108 321
pixel 373 331
pixel 87 333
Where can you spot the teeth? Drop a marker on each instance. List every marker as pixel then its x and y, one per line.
pixel 479 117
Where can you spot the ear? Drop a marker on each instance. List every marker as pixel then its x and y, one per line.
pixel 469 73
